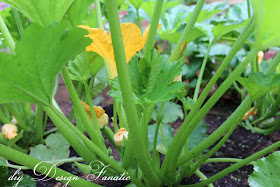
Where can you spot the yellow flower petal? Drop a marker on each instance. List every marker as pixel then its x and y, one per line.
pixel 103 120
pixel 251 112
pixel 102 43
pixel 9 131
pixel 100 113
pixel 132 39
pixel 146 33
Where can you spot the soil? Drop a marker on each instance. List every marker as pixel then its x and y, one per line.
pixel 241 144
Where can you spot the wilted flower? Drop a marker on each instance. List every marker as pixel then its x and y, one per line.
pixel 102 43
pixel 102 117
pixel 120 134
pixel 9 131
pixel 251 112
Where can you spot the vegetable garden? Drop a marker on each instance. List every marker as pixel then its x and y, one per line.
pixel 139 93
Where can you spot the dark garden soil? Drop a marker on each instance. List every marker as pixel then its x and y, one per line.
pixel 242 143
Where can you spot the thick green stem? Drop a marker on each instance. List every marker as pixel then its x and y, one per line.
pixel 98 14
pixel 41 167
pixel 127 94
pixel 187 31
pixel 69 132
pixel 233 120
pixel 211 102
pixel 153 28
pixel 18 22
pixel 202 176
pixel 94 118
pixel 249 8
pixel 197 88
pixel 237 165
pixel 7 35
pixel 241 39
pixel 214 150
pixel 273 65
pixel 226 160
pixel 94 135
pixel 90 145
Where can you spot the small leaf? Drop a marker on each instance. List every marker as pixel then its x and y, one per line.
pixel 43 12
pixel 168 134
pixel 258 84
pixel 79 68
pixel 171 112
pixel 198 134
pixel 56 148
pixel 266 171
pixel 161 148
pixel 267 15
pixel 41 53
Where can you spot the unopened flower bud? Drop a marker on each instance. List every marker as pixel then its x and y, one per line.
pixel 14 120
pixel 9 131
pixel 120 134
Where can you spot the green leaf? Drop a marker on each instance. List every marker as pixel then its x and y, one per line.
pixel 56 148
pixel 152 81
pixel 257 84
pixel 26 182
pixel 266 171
pixel 136 3
pixel 44 12
pixel 41 53
pixel 78 12
pixel 171 112
pixel 198 134
pixel 160 86
pixel 220 30
pixel 9 19
pixel 148 6
pixel 267 15
pixel 168 134
pixel 80 67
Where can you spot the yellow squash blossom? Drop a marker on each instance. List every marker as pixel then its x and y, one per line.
pixel 9 131
pixel 102 43
pixel 102 117
pixel 120 134
pixel 251 112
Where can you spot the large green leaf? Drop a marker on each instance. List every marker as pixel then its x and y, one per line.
pixel 267 15
pixel 43 12
pixel 257 84
pixel 41 53
pixel 266 171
